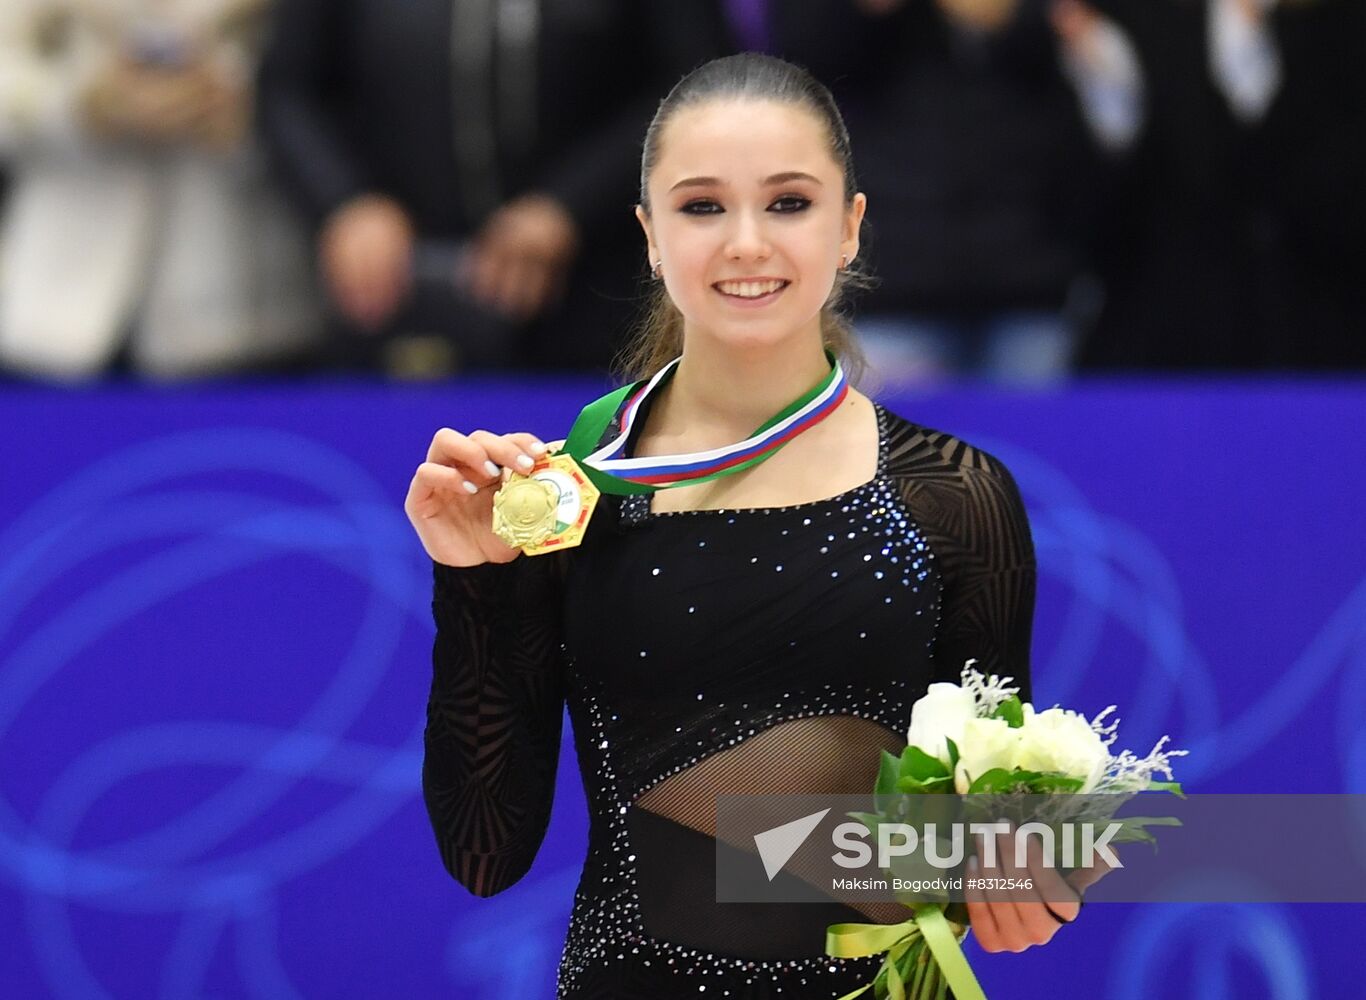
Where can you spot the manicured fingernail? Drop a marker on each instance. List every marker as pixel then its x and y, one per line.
pixel 470 487
pixel 537 448
pixel 525 461
pixel 490 468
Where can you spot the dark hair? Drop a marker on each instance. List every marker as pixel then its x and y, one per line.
pixel 748 76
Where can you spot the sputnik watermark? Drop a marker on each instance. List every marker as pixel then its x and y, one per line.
pixel 1215 848
pixel 777 845
pixel 854 852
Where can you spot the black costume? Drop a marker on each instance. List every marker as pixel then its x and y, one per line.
pixel 771 650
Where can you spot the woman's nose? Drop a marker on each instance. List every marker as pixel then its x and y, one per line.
pixel 748 240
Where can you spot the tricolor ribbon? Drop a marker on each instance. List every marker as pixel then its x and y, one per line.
pixel 612 473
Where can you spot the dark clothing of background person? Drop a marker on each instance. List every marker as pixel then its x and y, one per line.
pixel 427 103
pixel 979 172
pixel 1314 144
pixel 1192 257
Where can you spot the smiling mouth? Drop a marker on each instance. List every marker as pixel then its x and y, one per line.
pixel 751 291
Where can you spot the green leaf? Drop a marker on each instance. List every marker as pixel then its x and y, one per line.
pixel 1054 783
pixel 998 779
pixel 896 985
pixel 1150 821
pixel 907 784
pixel 1011 710
pixel 870 820
pixel 1134 836
pixel 888 770
pixel 987 782
pixel 915 972
pixel 1133 829
pixel 1167 786
pixel 953 753
pixel 916 763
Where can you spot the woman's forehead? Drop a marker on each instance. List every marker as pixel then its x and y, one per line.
pixel 743 141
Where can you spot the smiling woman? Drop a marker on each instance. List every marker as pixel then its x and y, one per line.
pixel 752 611
pixel 747 185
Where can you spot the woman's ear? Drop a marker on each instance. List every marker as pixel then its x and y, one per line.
pixel 643 218
pixel 853 220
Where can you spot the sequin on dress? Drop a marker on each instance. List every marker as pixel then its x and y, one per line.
pixel 741 651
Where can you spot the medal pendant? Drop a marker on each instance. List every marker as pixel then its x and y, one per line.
pixel 546 509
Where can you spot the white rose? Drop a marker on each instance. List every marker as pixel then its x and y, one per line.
pixel 1062 741
pixel 985 743
pixel 938 716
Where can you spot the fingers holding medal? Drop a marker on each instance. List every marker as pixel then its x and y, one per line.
pixel 484 453
pixel 451 496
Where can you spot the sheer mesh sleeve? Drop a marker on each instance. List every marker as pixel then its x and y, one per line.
pixel 494 717
pixel 967 503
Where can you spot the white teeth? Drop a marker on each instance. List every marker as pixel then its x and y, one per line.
pixel 749 289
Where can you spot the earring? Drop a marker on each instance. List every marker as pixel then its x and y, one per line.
pixel 657 269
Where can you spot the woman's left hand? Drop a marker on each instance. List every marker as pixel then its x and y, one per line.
pixel 1043 899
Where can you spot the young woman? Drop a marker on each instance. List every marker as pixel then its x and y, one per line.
pixel 761 632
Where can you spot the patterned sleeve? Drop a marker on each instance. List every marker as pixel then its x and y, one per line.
pixel 969 507
pixel 494 716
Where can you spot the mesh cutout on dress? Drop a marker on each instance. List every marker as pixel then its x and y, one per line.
pixel 673 830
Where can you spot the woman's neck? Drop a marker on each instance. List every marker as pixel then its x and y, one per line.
pixel 723 393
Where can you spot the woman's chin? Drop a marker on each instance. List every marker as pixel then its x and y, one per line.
pixel 755 333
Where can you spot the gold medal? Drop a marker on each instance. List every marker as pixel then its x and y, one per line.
pixel 546 509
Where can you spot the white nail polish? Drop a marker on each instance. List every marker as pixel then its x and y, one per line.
pixel 537 448
pixel 490 468
pixel 525 461
pixel 470 487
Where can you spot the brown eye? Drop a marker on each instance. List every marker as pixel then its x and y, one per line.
pixel 701 206
pixel 790 203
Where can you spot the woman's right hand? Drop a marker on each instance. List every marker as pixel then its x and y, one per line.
pixel 450 500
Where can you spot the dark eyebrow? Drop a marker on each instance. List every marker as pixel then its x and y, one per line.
pixel 789 176
pixel 783 178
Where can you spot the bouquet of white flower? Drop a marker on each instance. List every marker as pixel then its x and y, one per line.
pixel 978 737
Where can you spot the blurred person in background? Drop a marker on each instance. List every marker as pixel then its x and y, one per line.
pixel 1313 143
pixel 141 230
pixel 1188 258
pixel 466 167
pixel 974 148
pixel 1230 244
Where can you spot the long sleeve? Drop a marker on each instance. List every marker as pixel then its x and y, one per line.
pixel 494 717
pixel 968 504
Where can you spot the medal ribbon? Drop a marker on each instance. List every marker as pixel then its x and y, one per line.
pixel 616 475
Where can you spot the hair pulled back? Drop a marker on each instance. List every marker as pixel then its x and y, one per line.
pixel 748 76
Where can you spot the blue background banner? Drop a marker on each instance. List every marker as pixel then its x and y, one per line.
pixel 215 650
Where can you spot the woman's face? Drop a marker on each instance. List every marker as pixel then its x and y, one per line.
pixel 749 218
